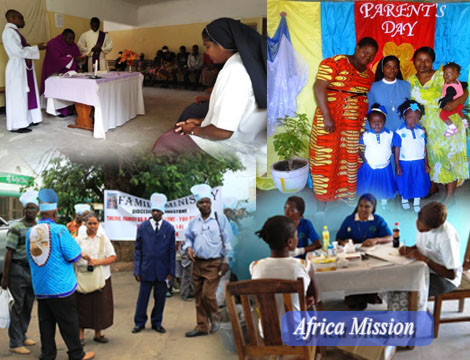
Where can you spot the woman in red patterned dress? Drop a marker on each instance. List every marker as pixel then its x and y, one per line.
pixel 341 94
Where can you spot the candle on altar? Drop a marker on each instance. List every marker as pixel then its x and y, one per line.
pixel 96 66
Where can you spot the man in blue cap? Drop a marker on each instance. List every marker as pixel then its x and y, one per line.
pixel 208 247
pixel 154 262
pixel 16 275
pixel 51 252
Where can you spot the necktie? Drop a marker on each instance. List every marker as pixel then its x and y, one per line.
pixel 156 227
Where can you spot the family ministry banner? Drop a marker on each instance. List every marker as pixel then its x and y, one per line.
pixel 124 212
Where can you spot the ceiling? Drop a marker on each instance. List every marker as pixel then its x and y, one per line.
pixel 144 2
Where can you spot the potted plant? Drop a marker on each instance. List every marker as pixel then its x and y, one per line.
pixel 290 174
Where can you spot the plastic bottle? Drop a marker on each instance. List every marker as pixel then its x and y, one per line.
pixel 396 236
pixel 331 251
pixel 349 247
pixel 326 238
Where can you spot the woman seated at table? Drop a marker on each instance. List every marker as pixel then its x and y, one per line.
pixel 438 245
pixel 364 226
pixel 280 233
pixel 294 209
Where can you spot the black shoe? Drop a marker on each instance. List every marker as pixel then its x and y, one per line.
pixel 159 329
pixel 214 327
pixel 22 130
pixel 195 332
pixel 137 329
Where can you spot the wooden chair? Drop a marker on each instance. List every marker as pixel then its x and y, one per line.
pixel 263 291
pixel 460 294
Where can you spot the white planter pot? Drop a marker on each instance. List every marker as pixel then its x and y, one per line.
pixel 290 181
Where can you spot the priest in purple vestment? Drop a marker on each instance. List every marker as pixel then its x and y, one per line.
pixel 62 55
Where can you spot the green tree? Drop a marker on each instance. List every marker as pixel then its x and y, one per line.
pixel 74 183
pixel 139 175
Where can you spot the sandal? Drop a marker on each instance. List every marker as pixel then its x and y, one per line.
pixel 102 339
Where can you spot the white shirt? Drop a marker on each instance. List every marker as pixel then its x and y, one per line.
pixel 232 106
pixel 378 148
pixel 153 223
pixel 283 268
pixel 413 143
pixel 91 246
pixel 442 245
pixel 82 230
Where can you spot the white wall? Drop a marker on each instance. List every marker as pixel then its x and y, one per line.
pixel 109 10
pixel 179 12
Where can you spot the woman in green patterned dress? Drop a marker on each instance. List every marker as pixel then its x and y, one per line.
pixel 447 155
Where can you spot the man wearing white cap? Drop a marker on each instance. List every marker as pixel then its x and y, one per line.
pixel 51 252
pixel 81 210
pixel 208 246
pixel 17 277
pixel 154 262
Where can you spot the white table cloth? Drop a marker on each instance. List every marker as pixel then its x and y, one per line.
pixel 117 98
pixel 368 276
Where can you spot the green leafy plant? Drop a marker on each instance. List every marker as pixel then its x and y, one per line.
pixel 139 175
pixel 292 140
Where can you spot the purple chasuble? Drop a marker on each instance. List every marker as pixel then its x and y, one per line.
pixel 32 102
pixel 56 58
pixel 96 54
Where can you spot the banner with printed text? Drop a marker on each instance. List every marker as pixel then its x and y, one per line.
pixel 123 213
pixel 398 27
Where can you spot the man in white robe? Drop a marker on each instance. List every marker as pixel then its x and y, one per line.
pixel 95 44
pixel 21 90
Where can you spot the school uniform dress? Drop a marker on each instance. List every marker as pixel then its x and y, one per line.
pixel 442 246
pixel 306 232
pixel 376 175
pixel 154 260
pixel 414 182
pixel 359 231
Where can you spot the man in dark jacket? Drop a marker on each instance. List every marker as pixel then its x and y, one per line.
pixel 154 262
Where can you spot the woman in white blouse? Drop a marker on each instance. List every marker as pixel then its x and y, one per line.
pixel 236 119
pixel 95 310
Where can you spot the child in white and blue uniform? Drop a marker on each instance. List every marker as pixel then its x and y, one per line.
pixel 376 175
pixel 411 159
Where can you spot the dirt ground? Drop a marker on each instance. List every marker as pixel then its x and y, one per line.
pixel 179 317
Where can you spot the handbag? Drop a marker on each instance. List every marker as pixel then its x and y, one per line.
pixel 6 304
pixel 89 281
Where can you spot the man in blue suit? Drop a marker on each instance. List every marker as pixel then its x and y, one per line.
pixel 154 262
